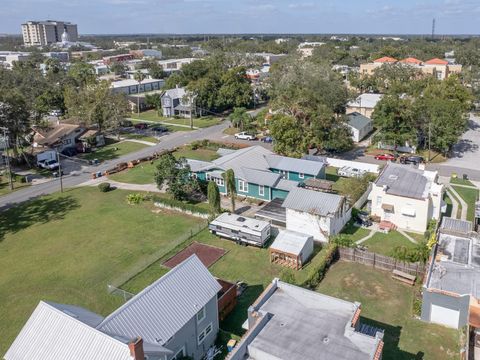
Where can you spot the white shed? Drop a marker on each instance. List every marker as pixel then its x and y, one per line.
pixel 291 248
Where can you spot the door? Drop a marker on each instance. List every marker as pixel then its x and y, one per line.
pixel 444 316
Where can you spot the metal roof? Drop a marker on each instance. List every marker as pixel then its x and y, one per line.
pixel 162 309
pixel 404 180
pixel 253 156
pixel 366 100
pixel 176 93
pixel 296 165
pixel 52 334
pixel 358 121
pixel 260 177
pixel 291 242
pixel 456 225
pixel 286 185
pixel 313 202
pixel 198 165
pixel 133 82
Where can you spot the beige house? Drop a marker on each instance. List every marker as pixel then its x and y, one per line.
pixel 407 197
pixel 439 68
pixel 364 104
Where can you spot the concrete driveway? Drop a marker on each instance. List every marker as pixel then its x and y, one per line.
pixel 466 153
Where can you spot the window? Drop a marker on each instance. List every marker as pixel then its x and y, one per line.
pixel 301 176
pixel 219 182
pixel 201 314
pixel 204 333
pixel 179 354
pixel 261 190
pixel 379 200
pixel 242 186
pixel 284 174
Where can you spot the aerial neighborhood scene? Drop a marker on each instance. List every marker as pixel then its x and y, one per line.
pixel 239 180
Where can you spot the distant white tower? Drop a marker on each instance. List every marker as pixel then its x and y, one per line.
pixel 65 37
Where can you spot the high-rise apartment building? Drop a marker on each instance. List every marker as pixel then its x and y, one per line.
pixel 41 33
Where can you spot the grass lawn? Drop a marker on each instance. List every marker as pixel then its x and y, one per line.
pixel 470 196
pixel 140 137
pixel 331 173
pixel 354 232
pixel 144 172
pixel 46 253
pixel 459 205
pixel 231 131
pixel 114 150
pixel 435 157
pixel 202 122
pixel 448 201
pixel 5 187
pixel 150 115
pixel 460 181
pixel 384 244
pixel 387 304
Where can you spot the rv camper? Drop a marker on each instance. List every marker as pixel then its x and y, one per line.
pixel 243 230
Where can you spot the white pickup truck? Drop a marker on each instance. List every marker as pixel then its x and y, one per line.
pixel 245 136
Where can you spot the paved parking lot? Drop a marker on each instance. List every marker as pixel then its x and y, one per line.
pixel 466 154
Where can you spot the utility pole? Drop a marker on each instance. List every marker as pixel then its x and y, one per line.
pixel 60 174
pixel 191 111
pixel 433 28
pixel 429 138
pixel 7 158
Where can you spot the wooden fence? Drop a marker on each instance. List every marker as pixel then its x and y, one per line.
pixel 381 262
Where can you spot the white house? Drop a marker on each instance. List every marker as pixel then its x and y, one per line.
pixel 407 197
pixel 364 104
pixel 359 125
pixel 316 213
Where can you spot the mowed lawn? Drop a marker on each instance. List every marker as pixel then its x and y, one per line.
pixel 387 304
pixel 114 150
pixel 144 173
pixel 67 247
pixel 202 122
pixel 384 244
pixel 470 196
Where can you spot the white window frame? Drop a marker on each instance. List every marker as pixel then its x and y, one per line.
pixel 181 351
pixel 301 175
pixel 243 186
pixel 261 190
pixel 204 333
pixel 203 311
pixel 379 200
pixel 219 182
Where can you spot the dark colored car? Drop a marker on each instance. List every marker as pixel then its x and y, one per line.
pixel 126 123
pixel 267 139
pixel 159 128
pixel 70 151
pixel 387 157
pixel 141 126
pixel 413 159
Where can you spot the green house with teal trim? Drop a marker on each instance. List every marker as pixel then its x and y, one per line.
pixel 259 173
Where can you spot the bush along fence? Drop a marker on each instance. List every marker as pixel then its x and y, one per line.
pixel 380 261
pixel 180 206
pixel 318 268
pixel 115 285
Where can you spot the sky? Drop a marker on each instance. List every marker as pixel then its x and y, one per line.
pixel 248 16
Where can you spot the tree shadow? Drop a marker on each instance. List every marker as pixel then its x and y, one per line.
pixel 462 147
pixel 37 211
pixel 391 339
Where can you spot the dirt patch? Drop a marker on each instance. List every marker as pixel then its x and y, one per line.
pixel 207 254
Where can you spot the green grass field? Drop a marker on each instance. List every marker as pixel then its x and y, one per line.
pixel 140 137
pixel 387 304
pixel 384 244
pixel 354 232
pixel 460 181
pixel 202 122
pixel 113 150
pixel 68 247
pixel 144 173
pixel 470 196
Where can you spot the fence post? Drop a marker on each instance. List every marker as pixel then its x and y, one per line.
pixel 374 256
pixel 353 254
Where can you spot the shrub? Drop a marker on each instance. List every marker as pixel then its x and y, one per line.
pixel 343 240
pixel 181 205
pixel 104 187
pixel 136 198
pixel 318 269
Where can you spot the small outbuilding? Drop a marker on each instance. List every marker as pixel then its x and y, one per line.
pixel 291 249
pixel 359 125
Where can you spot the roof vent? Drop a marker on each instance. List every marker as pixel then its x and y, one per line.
pixel 326 340
pixel 393 177
pixel 241 219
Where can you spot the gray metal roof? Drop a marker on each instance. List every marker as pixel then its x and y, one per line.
pixel 198 165
pixel 51 334
pixel 86 316
pixel 404 180
pixel 286 185
pixel 260 177
pixel 250 157
pixel 296 165
pixel 163 308
pixel 313 202
pixel 176 93
pixel 358 121
pixel 366 100
pixel 456 225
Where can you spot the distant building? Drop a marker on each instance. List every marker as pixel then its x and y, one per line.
pixel 175 102
pixel 173 65
pixel 146 53
pixel 364 104
pixel 62 56
pixel 306 48
pixel 288 322
pixel 131 86
pixel 7 58
pixel 108 60
pixel 42 33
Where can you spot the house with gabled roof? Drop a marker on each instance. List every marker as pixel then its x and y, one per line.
pixel 360 126
pixel 259 173
pixel 175 316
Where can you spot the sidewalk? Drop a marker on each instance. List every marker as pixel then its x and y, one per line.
pixel 462 202
pixel 123 186
pixel 163 123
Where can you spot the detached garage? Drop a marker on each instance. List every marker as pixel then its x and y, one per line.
pixel 291 249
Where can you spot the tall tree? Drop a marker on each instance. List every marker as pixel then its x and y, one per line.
pixel 15 117
pixel 289 135
pixel 213 195
pixel 139 77
pixel 82 74
pixel 175 175
pixel 229 177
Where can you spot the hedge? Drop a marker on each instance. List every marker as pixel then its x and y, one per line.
pixel 319 266
pixel 181 205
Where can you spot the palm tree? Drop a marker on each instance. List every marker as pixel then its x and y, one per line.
pixel 139 77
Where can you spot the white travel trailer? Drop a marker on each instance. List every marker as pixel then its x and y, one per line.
pixel 241 229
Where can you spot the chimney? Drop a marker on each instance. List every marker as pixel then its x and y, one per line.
pixel 136 349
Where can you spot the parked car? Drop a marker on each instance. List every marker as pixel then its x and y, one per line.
pixel 126 123
pixel 267 139
pixel 50 164
pixel 245 136
pixel 70 151
pixel 141 126
pixel 159 128
pixel 413 159
pixel 387 157
pixel 55 112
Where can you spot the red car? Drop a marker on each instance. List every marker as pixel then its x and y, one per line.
pixel 141 126
pixel 387 157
